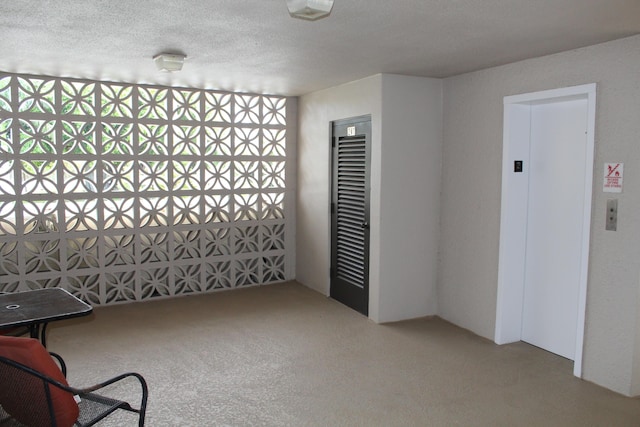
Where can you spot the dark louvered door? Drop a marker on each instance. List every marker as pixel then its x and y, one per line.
pixel 351 142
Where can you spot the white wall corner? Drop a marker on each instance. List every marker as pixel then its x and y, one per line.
pixel 411 159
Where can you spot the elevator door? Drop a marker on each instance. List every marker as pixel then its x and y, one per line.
pixel 555 225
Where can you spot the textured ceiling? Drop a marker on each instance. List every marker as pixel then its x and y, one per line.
pixel 255 46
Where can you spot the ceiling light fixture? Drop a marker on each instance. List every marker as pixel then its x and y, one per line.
pixel 169 61
pixel 310 10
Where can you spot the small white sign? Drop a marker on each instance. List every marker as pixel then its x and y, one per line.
pixel 351 131
pixel 613 173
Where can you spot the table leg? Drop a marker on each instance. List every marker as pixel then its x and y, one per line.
pixel 43 335
pixel 34 331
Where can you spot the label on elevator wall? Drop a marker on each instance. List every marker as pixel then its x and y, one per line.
pixel 612 178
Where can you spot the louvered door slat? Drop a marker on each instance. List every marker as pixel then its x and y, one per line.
pixel 350 216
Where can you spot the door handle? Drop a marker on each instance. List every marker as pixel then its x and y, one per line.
pixel 365 225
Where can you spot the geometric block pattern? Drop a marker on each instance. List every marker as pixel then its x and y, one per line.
pixel 125 192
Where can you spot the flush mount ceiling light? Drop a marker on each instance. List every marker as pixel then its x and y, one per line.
pixel 169 61
pixel 310 10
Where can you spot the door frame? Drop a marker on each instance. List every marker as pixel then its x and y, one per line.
pixel 514 208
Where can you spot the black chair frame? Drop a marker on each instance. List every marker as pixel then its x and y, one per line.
pixel 93 407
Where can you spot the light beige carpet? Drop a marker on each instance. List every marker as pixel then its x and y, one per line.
pixel 283 355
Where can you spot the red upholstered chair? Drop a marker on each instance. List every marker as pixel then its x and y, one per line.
pixel 19 331
pixel 34 392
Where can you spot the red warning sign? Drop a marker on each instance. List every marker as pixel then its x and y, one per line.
pixel 613 174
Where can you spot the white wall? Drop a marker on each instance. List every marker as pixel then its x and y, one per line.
pixel 471 200
pixel 405 183
pixel 409 196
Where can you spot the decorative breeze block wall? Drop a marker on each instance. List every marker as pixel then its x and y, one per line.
pixel 125 192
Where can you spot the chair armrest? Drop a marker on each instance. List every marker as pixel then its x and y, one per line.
pixel 140 378
pixel 143 385
pixel 87 390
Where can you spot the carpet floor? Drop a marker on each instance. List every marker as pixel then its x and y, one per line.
pixel 284 355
